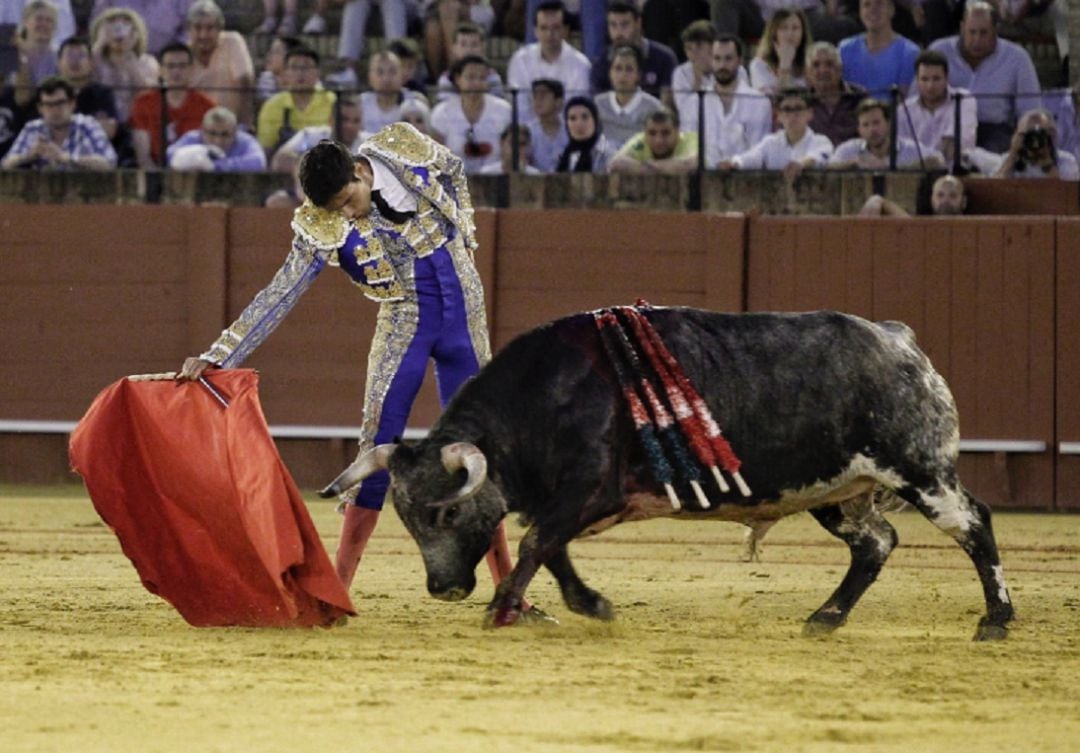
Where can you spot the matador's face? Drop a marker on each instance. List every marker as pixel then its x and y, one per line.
pixel 354 200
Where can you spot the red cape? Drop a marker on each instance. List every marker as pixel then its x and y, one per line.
pixel 202 504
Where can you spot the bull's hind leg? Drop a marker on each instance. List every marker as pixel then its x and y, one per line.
pixel 579 597
pixel 966 519
pixel 871 539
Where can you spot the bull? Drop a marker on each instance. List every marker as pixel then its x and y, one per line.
pixel 829 413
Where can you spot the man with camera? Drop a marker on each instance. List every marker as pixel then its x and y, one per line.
pixel 1033 153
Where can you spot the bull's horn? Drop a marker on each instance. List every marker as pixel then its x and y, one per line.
pixel 468 456
pixel 373 460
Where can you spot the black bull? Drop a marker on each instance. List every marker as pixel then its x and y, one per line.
pixel 826 411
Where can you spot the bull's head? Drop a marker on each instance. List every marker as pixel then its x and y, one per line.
pixel 446 501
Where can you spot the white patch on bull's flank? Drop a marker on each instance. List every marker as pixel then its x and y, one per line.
pixel 999 578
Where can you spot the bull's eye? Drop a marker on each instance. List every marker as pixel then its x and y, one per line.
pixel 450 515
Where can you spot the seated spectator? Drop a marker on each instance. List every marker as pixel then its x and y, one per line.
pixel 549 57
pixel 1033 152
pixel 587 151
pixel 354 19
pixel 879 58
pixel 660 148
pixel 737 116
pixel 835 99
pixel 947 199
pixel 587 16
pixel 92 98
pixel 793 148
pixel 223 67
pixel 872 149
pixel 271 24
pixel 346 125
pixel 12 117
pixel 546 125
pixel 623 109
pixel 441 17
pixel 185 107
pixel 120 58
pixel 382 104
pixel 217 147
pixel 989 67
pixel 506 164
pixel 11 12
pixel 164 19
pixel 415 112
pixel 272 77
pixel 695 74
pixel 413 72
pixel 929 115
pixel 658 60
pixel 780 62
pixel 60 139
pixel 35 39
pixel 470 124
pixel 303 103
pixel 830 20
pixel 468 40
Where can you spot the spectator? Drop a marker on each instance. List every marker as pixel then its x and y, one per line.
pixel 947 198
pixel 879 58
pixel 665 20
pixel 271 24
pixel 872 149
pixel 830 20
pixel 303 103
pixel 506 164
pixel 1033 151
pixel 990 67
pixel 929 114
pixel 382 104
pixel 695 74
pixel 354 18
pixel 587 151
pixel 120 58
pixel 415 112
pixel 623 110
pixel 92 98
pixel 346 125
pixel 441 17
pixel 34 39
pixel 835 99
pixel 164 19
pixel 470 124
pixel 185 107
pixel 60 138
pixel 223 67
pixel 658 60
pixel 546 125
pixel 793 148
pixel 586 15
pixel 272 77
pixel 12 117
pixel 780 62
pixel 468 40
pixel 413 73
pixel 737 116
pixel 550 57
pixel 217 147
pixel 11 13
pixel 660 148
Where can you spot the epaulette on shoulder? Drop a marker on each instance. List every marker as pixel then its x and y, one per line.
pixel 322 228
pixel 403 142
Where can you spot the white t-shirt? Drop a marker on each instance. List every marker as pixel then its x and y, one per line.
pixel 930 126
pixel 774 152
pixel 375 118
pixel 449 120
pixel 733 130
pixel 526 65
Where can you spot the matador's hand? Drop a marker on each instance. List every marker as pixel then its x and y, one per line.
pixel 192 369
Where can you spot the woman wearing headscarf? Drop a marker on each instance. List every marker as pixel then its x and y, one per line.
pixel 588 150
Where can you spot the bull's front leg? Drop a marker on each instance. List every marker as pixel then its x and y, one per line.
pixel 579 597
pixel 506 606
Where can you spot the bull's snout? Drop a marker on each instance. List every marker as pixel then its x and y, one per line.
pixel 445 591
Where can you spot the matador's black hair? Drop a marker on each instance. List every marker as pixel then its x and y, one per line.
pixel 325 169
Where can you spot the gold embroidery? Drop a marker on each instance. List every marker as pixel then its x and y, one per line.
pixel 322 228
pixel 400 142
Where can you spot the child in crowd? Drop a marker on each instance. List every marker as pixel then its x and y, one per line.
pixel 549 137
pixel 506 164
pixel 468 40
pixel 793 148
pixel 623 110
pixel 382 105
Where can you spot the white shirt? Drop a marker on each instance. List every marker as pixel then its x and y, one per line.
pixel 686 98
pixel 733 131
pixel 449 120
pixel 931 126
pixel 774 152
pixel 547 149
pixel 763 79
pixel 526 65
pixel 392 190
pixel 376 118
pixel 907 153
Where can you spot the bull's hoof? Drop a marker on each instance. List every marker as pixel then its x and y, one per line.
pixel 988 632
pixel 589 603
pixel 821 624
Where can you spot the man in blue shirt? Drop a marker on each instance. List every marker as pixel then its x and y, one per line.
pixel 659 61
pixel 879 59
pixel 224 148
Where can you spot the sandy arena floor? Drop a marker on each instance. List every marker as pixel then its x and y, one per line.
pixel 706 653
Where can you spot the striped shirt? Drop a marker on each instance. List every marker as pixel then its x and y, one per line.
pixel 85 138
